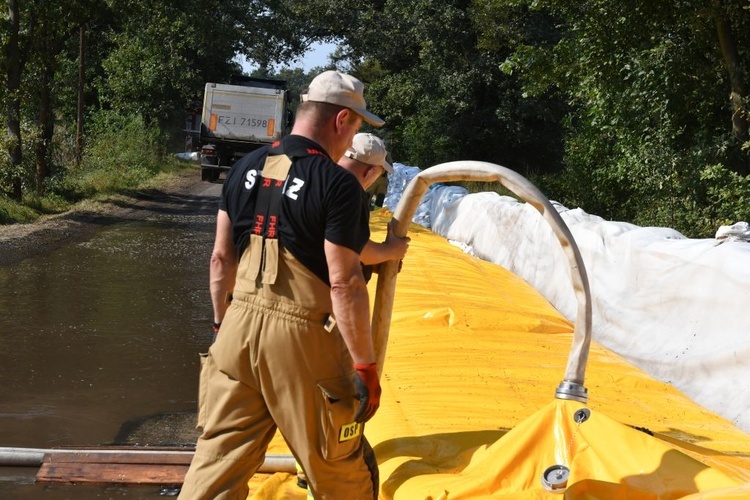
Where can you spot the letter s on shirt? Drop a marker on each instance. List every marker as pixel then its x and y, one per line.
pixel 250 179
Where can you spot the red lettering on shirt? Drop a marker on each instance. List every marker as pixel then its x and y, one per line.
pixel 258 228
pixel 272 226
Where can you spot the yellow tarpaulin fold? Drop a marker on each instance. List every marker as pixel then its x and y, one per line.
pixel 468 407
pixel 599 457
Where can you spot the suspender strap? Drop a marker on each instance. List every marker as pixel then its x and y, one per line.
pixel 264 245
pixel 270 191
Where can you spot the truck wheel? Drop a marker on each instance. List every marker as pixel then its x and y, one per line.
pixel 210 174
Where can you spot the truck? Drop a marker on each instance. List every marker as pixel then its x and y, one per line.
pixel 238 118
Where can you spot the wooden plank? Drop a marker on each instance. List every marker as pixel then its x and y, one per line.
pixel 109 473
pixel 115 465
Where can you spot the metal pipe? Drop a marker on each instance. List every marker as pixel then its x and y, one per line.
pixel 33 457
pixel 22 457
pixel 572 385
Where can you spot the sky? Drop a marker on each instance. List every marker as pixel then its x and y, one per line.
pixel 316 56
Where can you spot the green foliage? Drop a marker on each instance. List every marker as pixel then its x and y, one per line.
pixel 122 152
pixel 25 171
pixel 649 183
pixel 164 52
pixel 152 68
pixel 726 194
pixel 8 171
pixel 12 212
pixel 649 114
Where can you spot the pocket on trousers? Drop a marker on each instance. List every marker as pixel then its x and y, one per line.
pixel 339 434
pixel 203 391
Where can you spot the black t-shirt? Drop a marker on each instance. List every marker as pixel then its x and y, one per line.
pixel 321 201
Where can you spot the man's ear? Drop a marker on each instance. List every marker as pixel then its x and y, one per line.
pixel 342 118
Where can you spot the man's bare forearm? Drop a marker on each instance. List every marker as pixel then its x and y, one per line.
pixel 223 267
pixel 221 281
pixel 351 305
pixel 351 302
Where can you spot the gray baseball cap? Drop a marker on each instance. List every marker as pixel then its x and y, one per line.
pixel 343 90
pixel 370 149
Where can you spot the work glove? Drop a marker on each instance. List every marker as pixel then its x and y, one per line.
pixel 367 387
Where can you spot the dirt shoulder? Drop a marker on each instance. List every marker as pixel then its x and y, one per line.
pixel 21 241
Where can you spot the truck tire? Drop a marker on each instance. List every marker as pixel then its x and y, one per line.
pixel 210 174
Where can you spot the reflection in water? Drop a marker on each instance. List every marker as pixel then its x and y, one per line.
pixel 102 332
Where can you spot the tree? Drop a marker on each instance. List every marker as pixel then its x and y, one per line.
pixel 159 55
pixel 59 25
pixel 442 94
pixel 37 34
pixel 647 91
pixel 737 78
pixel 81 88
pixel 164 52
pixel 13 67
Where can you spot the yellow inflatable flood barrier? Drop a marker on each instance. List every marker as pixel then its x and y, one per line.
pixel 470 407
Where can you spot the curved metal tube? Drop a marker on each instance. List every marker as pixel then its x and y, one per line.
pixel 572 385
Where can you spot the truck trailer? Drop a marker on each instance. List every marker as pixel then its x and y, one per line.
pixel 237 119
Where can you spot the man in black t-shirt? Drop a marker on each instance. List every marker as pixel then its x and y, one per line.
pixel 320 202
pixel 294 350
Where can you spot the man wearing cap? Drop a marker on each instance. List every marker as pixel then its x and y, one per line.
pixel 366 160
pixel 369 149
pixel 294 349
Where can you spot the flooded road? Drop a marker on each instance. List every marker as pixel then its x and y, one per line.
pixel 104 332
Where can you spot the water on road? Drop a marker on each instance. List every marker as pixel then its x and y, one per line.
pixel 101 335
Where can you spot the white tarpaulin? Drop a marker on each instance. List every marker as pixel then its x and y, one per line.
pixel 673 306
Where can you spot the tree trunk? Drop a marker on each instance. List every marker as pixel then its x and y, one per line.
pixel 81 76
pixel 13 106
pixel 46 123
pixel 737 85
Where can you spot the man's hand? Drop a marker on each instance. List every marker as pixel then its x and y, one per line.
pixel 395 247
pixel 367 386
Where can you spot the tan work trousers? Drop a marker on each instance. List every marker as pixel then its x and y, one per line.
pixel 274 364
